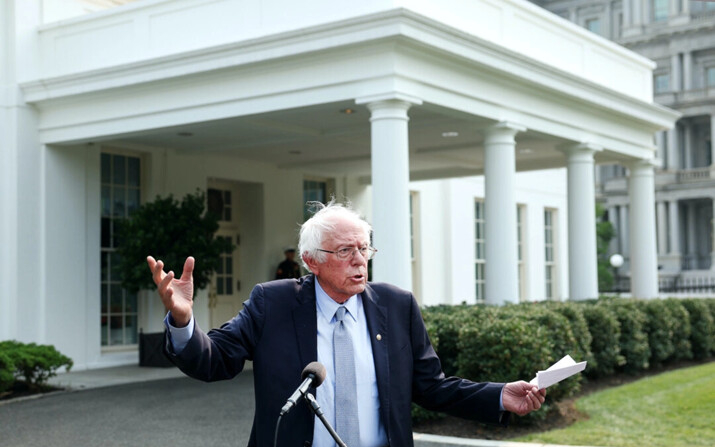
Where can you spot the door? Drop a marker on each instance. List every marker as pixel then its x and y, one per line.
pixel 224 300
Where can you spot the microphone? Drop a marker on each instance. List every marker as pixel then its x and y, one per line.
pixel 313 375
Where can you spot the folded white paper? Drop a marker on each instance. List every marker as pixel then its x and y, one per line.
pixel 564 368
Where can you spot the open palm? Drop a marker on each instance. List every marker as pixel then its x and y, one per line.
pixel 176 294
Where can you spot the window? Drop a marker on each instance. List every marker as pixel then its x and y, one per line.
pixel 661 83
pixel 313 191
pixel 660 10
pixel 594 25
pixel 549 253
pixel 479 250
pixel 520 250
pixel 710 76
pixel 120 196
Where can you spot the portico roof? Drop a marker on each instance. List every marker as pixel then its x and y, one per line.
pixel 279 93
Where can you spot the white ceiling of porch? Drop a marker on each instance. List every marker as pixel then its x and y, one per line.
pixel 323 138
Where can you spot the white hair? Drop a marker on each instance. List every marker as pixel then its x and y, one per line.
pixel 314 230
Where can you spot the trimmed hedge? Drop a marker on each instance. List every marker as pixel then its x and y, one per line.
pixel 633 339
pixel 605 332
pixel 702 325
pixel 504 344
pixel 35 364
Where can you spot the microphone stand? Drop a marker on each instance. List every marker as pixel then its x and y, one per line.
pixel 319 412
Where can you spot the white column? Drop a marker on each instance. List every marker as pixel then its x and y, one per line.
pixel 644 259
pixel 624 229
pixel 637 12
pixel 627 13
pixel 674 227
pixel 662 227
pixel 583 269
pixel 675 72
pixel 390 189
pixel 685 5
pixel 673 152
pixel 674 8
pixel 687 70
pixel 687 145
pixel 660 145
pixel 613 219
pixel 501 269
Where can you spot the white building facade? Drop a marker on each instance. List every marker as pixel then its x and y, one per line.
pixel 466 132
pixel 679 37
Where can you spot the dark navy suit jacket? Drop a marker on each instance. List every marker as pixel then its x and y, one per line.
pixel 277 330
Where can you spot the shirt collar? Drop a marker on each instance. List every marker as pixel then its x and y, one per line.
pixel 327 306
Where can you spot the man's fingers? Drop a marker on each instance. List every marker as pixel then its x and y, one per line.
pixel 188 269
pixel 165 285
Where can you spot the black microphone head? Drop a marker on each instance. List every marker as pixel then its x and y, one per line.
pixel 317 370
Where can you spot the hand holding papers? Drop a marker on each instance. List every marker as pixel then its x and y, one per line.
pixel 564 368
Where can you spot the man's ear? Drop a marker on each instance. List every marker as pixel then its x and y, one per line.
pixel 312 264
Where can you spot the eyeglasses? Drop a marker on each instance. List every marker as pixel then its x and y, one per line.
pixel 348 252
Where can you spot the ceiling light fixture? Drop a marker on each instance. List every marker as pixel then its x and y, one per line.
pixel 450 134
pixel 348 111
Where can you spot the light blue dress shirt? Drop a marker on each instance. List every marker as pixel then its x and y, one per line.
pixel 372 432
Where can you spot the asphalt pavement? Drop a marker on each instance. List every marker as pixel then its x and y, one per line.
pixel 174 412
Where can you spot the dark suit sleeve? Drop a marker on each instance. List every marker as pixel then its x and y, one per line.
pixel 452 395
pixel 221 353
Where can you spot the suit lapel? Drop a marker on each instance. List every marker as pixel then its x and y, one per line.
pixel 376 314
pixel 305 320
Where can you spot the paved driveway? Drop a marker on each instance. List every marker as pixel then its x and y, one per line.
pixel 173 412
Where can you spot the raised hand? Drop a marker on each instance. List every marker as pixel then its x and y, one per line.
pixel 522 398
pixel 176 294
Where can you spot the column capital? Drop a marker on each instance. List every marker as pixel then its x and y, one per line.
pixel 502 132
pixel 576 148
pixel 643 165
pixel 390 97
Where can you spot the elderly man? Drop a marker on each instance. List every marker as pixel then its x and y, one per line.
pixel 370 337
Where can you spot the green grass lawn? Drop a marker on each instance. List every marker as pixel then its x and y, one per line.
pixel 674 409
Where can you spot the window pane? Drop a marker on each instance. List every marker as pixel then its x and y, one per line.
pixel 116 332
pixel 219 286
pixel 114 272
pixel 118 169
pixel 132 200
pixel 106 233
pixel 104 330
pixel 130 303
pixel 116 299
pixel 133 174
pixel 711 74
pixel 105 299
pixel 106 201
pixel 227 214
pixel 229 264
pixel 119 208
pixel 229 285
pixel 130 322
pixel 227 197
pixel 106 168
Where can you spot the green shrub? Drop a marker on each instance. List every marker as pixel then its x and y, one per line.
pixel 605 332
pixel 561 341
pixel 503 350
pixel 660 328
pixel 34 363
pixel 633 340
pixel 681 330
pixel 443 324
pixel 7 371
pixel 574 314
pixel 702 327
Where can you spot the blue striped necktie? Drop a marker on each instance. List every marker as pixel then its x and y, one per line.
pixel 346 411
